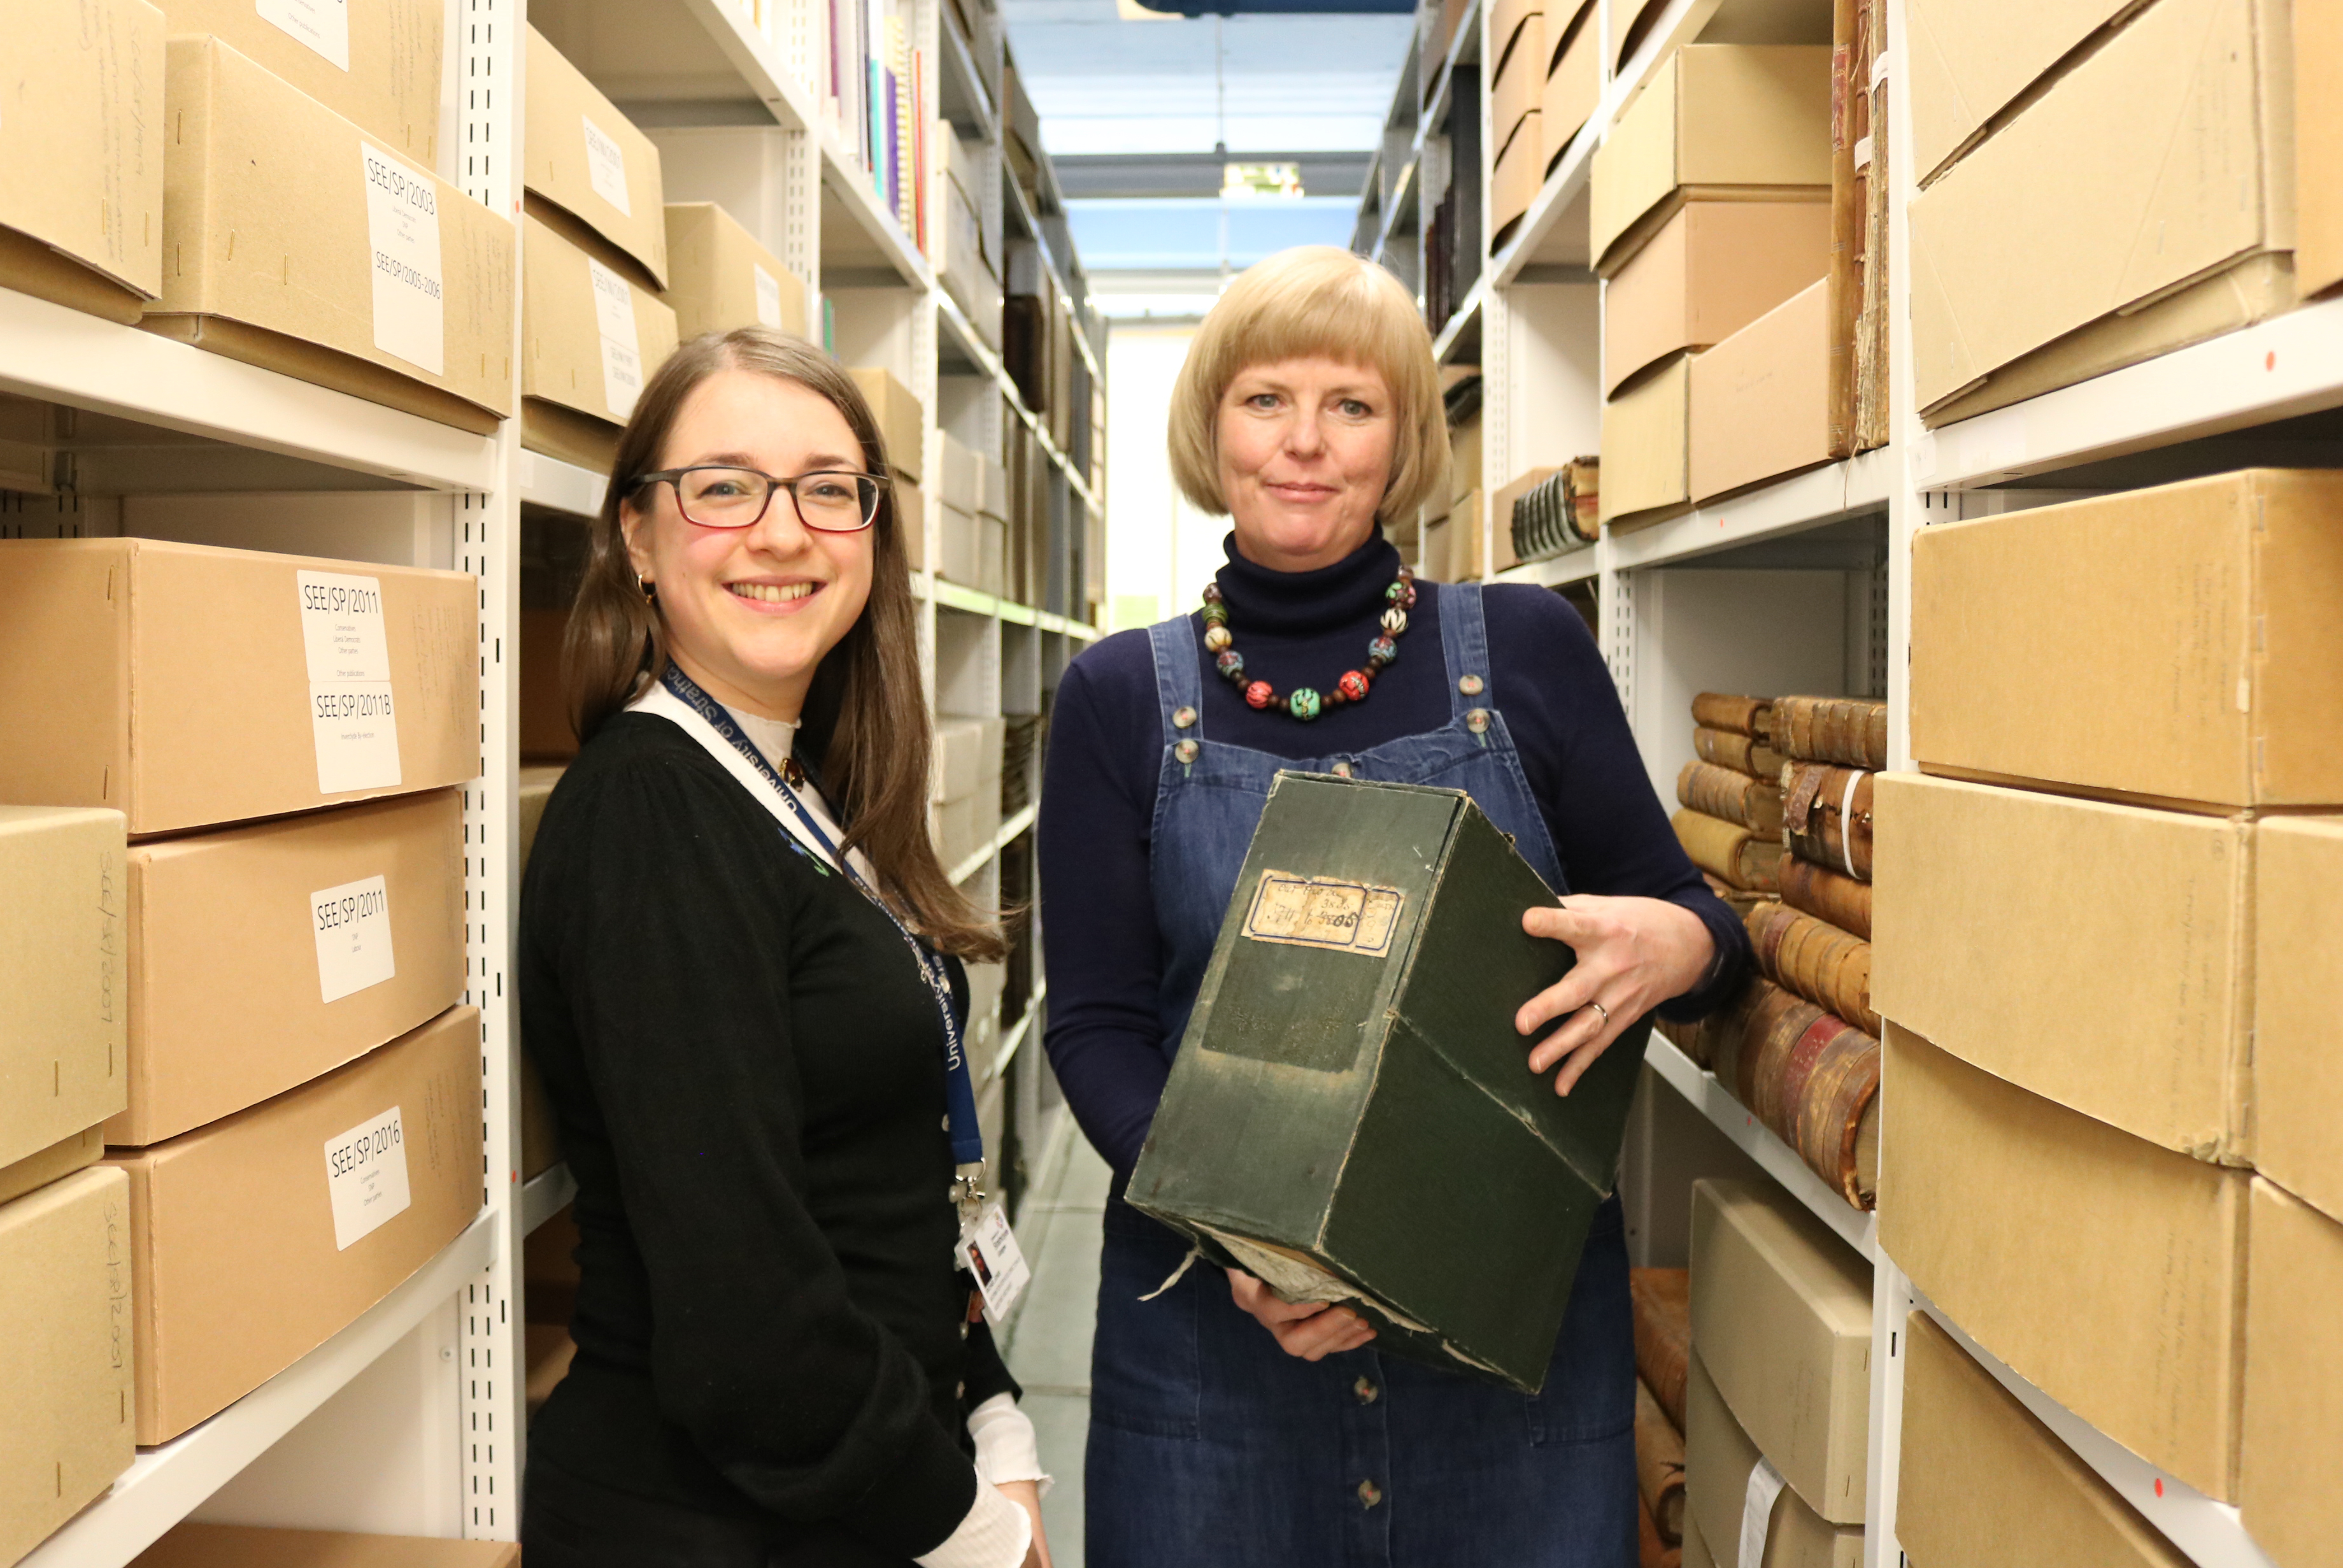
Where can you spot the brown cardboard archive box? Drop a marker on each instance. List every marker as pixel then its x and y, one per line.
pixel 1979 1186
pixel 2291 1487
pixel 194 1545
pixel 63 986
pixel 900 420
pixel 2099 955
pixel 266 955
pixel 2201 668
pixel 295 241
pixel 1748 122
pixel 2318 148
pixel 1781 1315
pixel 1709 271
pixel 1573 83
pixel 255 1239
pixel 591 337
pixel 1983 1483
pixel 1647 444
pixel 188 686
pixel 589 160
pixel 719 278
pixel 2057 250
pixel 1718 1457
pixel 84 117
pixel 1972 60
pixel 376 63
pixel 65 1353
pixel 2298 1084
pixel 1517 33
pixel 542 710
pixel 1760 400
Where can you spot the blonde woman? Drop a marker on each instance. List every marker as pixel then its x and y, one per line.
pixel 1228 1428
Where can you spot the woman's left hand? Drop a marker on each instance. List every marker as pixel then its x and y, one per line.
pixel 1633 955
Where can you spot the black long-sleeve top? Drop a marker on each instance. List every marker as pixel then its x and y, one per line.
pixel 748 1069
pixel 1305 628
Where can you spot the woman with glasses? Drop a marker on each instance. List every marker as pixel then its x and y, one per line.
pixel 741 977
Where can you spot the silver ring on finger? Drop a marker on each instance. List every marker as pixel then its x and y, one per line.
pixel 1606 1012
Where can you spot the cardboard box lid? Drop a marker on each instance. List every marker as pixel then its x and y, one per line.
pixel 1574 87
pixel 1970 61
pixel 1983 1483
pixel 2318 147
pixel 1718 1458
pixel 902 420
pixel 2200 668
pixel 2298 969
pixel 2291 1484
pixel 194 1545
pixel 86 118
pixel 1506 20
pixel 719 278
pixel 64 1361
pixel 1760 400
pixel 1521 79
pixel 1781 1317
pixel 574 349
pixel 1709 271
pixel 1645 444
pixel 1520 170
pixel 2021 1218
pixel 64 980
pixel 589 159
pixel 58 1161
pixel 375 64
pixel 2096 955
pixel 2063 187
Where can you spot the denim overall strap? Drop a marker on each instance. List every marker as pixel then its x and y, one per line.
pixel 1177 685
pixel 1464 642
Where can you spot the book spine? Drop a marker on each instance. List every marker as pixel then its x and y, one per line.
pixel 1828 895
pixel 1828 967
pixel 1742 753
pixel 1740 714
pixel 1754 803
pixel 1729 851
pixel 1849 730
pixel 1659 1466
pixel 1660 1304
pixel 1810 1077
pixel 1826 816
pixel 1582 500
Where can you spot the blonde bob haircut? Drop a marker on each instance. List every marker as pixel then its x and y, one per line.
pixel 1314 301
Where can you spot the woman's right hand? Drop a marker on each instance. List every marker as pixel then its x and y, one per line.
pixel 1310 1329
pixel 1027 1495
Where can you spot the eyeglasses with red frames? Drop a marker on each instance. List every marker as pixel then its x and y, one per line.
pixel 831 502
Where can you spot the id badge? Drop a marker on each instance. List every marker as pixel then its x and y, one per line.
pixel 989 1250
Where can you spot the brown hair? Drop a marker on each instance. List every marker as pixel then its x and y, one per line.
pixel 865 721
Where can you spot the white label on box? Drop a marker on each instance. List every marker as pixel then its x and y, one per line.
pixel 352 924
pixel 605 166
pixel 769 297
pixel 992 1255
pixel 411 314
pixel 356 730
pixel 622 352
pixel 366 1177
pixel 322 25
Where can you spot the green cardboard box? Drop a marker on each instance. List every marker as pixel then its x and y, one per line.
pixel 1352 1116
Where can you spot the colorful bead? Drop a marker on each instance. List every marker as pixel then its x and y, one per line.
pixel 1383 648
pixel 1184 718
pixel 1305 703
pixel 1302 703
pixel 1258 694
pixel 1216 637
pixel 1353 684
pixel 1394 620
pixel 1212 593
pixel 1397 591
pixel 1230 664
pixel 1216 615
pixel 1471 686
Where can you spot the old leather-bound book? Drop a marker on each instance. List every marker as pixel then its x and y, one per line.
pixel 1754 803
pixel 1743 753
pixel 1826 817
pixel 1740 900
pixel 1738 715
pixel 1850 730
pixel 1729 852
pixel 1661 1302
pixel 1351 1117
pixel 1828 895
pixel 1692 1038
pixel 1813 1079
pixel 1659 1466
pixel 1828 967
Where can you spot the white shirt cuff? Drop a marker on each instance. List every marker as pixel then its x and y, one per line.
pixel 1006 1449
pixel 996 1533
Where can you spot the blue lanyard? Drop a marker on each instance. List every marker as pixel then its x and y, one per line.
pixel 960 1091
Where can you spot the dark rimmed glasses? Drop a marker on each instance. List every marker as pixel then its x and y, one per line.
pixel 831 502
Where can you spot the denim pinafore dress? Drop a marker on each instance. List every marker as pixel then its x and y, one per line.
pixel 1210 1447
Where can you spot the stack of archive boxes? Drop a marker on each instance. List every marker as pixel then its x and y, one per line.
pixel 974 551
pixel 965 248
pixel 2108 946
pixel 256 1005
pixel 1547 81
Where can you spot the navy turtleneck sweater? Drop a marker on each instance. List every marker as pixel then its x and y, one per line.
pixel 1305 628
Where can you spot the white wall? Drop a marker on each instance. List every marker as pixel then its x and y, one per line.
pixel 1161 551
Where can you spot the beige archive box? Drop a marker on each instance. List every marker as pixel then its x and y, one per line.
pixel 2200 668
pixel 719 278
pixel 188 686
pixel 1760 400
pixel 2297 1076
pixel 901 420
pixel 1983 1485
pixel 2291 1481
pixel 64 986
pixel 2024 1221
pixel 194 1545
pixel 1746 121
pixel 265 956
pixel 1517 33
pixel 1781 1316
pixel 295 241
pixel 1709 271
pixel 1972 61
pixel 376 63
pixel 84 119
pixel 589 160
pixel 58 1161
pixel 1573 84
pixel 1646 446
pixel 255 1239
pixel 2318 147
pixel 591 339
pixel 1517 175
pixel 1718 1458
pixel 2033 264
pixel 66 1376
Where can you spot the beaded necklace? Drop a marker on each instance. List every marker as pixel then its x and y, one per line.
pixel 1305 702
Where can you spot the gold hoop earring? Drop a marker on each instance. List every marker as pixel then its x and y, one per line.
pixel 649 590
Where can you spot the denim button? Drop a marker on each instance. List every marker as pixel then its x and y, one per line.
pixel 1471 686
pixel 1370 1494
pixel 1341 770
pixel 1183 718
pixel 1477 721
pixel 1367 1391
pixel 1186 750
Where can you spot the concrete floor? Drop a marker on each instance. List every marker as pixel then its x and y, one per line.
pixel 1049 1341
